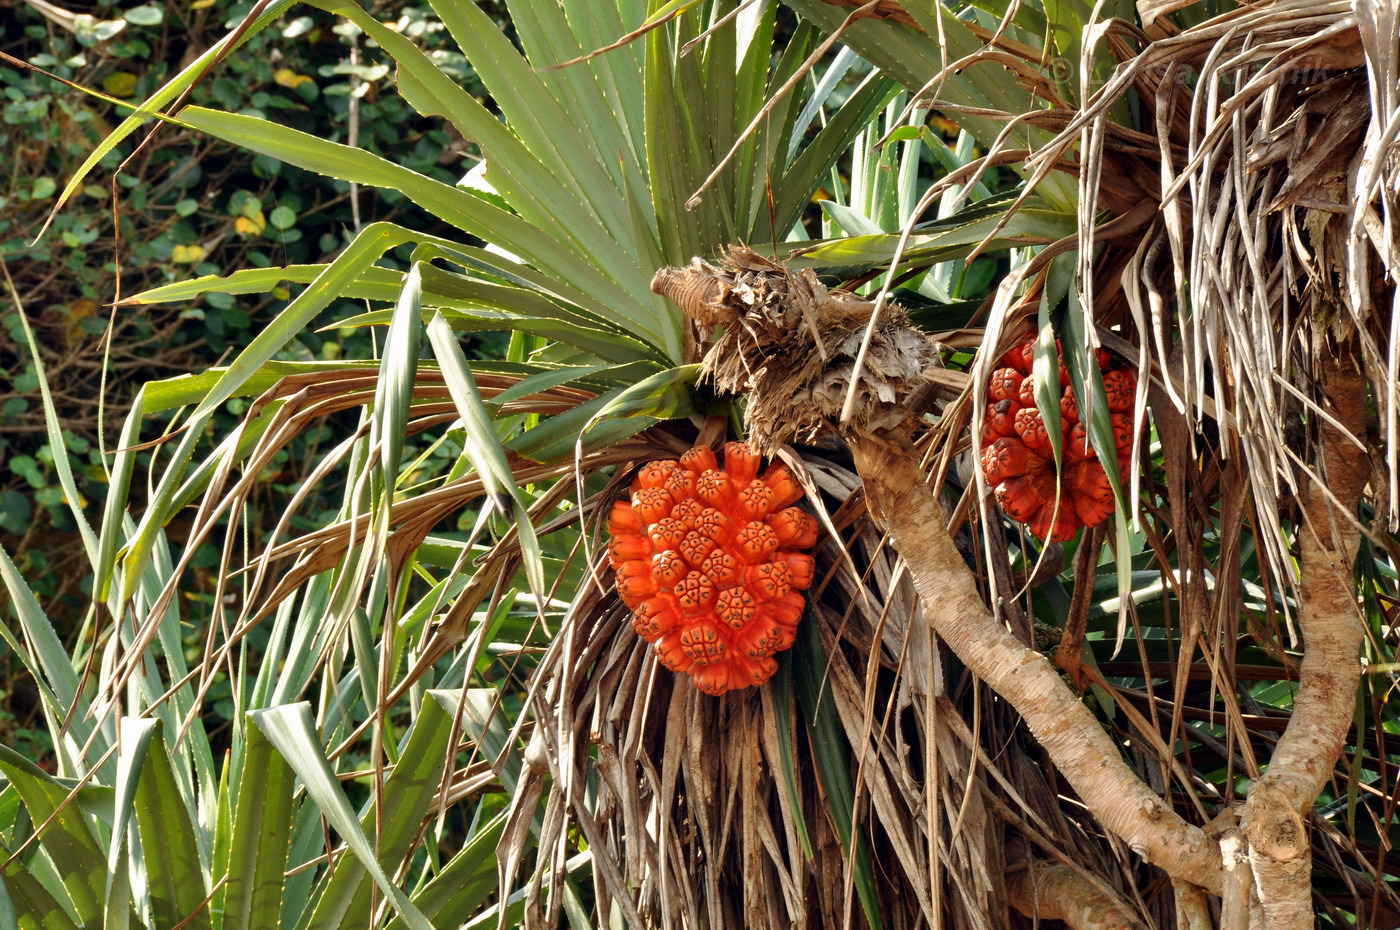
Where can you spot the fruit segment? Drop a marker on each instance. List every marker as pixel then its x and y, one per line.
pixel 1018 458
pixel 709 559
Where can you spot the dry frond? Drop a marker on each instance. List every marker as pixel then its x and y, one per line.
pixel 1277 178
pixel 791 345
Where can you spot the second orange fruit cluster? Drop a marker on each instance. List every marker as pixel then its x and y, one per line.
pixel 1018 460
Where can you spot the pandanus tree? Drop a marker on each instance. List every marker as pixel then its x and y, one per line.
pixel 1110 379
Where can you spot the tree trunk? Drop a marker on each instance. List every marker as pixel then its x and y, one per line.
pixel 791 343
pixel 1280 852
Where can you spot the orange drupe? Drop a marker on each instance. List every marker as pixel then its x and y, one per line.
pixel 708 558
pixel 1018 459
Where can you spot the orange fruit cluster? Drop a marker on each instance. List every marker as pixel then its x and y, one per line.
pixel 1018 460
pixel 707 559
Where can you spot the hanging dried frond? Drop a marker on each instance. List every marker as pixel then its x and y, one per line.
pixel 1259 291
pixel 949 601
pixel 1278 185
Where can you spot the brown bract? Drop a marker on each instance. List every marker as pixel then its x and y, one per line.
pixel 791 344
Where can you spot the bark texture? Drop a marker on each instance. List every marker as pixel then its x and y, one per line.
pixel 1279 846
pixel 1052 891
pixel 1236 897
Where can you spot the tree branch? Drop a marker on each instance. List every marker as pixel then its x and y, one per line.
pixel 1053 891
pixel 791 344
pixel 1082 752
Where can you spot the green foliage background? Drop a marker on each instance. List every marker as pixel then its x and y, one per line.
pixel 188 205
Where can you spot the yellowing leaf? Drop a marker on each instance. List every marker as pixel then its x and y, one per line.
pixel 120 83
pixel 187 254
pixel 201 4
pixel 82 308
pixel 289 78
pixel 251 225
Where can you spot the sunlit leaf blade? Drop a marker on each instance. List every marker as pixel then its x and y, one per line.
pixel 136 735
pixel 831 753
pixel 28 902
pixel 520 166
pixel 223 832
pixel 782 691
pixel 552 33
pixel 134 556
pixel 397 372
pixel 465 881
pixel 373 283
pixel 562 435
pixel 941 240
pixel 169 852
pixel 184 390
pixel 515 170
pixel 42 651
pixel 548 129
pixel 484 446
pixel 809 170
pixel 262 832
pixel 1088 387
pixel 678 155
pixel 851 220
pixel 371 242
pixel 68 840
pixel 1045 370
pixel 453 205
pixel 408 794
pixel 54 429
pixel 167 94
pixel 913 58
pixel 557 377
pixel 119 488
pixel 292 731
pixel 551 322
pixel 830 79
pixel 664 395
